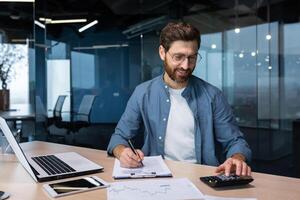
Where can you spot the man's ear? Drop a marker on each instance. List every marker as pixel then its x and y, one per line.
pixel 162 52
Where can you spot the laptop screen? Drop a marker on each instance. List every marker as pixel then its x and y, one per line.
pixel 15 146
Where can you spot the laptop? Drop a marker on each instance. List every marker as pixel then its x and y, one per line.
pixel 51 166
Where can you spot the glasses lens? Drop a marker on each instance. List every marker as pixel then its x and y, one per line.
pixel 179 58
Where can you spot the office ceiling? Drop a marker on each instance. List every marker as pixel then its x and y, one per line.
pixel 16 19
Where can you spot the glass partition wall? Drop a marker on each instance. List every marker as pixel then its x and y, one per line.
pixel 249 51
pixel 17 66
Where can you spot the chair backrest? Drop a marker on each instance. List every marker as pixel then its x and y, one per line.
pixel 58 106
pixel 85 108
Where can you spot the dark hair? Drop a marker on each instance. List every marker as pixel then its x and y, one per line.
pixel 175 31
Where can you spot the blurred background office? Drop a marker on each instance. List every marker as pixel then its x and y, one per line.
pixel 67 68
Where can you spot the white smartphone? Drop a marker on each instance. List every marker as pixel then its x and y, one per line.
pixel 63 188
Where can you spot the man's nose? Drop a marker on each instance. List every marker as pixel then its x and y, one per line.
pixel 185 63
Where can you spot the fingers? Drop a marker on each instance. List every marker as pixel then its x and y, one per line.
pixel 238 167
pixel 220 169
pixel 228 168
pixel 249 171
pixel 141 154
pixel 129 160
pixel 234 165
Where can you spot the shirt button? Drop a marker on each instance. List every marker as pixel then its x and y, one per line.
pixel 166 86
pixel 168 100
pixel 159 137
pixel 164 119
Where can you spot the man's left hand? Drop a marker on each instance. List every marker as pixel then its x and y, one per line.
pixel 236 164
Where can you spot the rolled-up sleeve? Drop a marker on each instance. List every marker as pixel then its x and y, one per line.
pixel 128 125
pixel 226 129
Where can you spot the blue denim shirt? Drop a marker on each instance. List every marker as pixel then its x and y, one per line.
pixel 214 121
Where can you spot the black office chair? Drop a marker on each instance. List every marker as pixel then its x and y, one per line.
pixel 80 119
pixel 56 116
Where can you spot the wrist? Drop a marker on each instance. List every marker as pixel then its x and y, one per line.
pixel 239 156
pixel 118 150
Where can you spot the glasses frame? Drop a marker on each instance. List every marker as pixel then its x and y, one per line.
pixel 190 61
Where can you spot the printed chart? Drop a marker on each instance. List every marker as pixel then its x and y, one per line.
pixel 154 189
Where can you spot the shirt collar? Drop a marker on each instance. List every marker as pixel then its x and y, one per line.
pixel 186 91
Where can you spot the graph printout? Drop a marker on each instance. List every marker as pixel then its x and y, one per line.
pixel 158 189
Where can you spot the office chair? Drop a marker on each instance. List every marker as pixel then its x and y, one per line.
pixel 80 119
pixel 56 116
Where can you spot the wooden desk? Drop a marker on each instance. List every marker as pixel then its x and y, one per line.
pixel 15 180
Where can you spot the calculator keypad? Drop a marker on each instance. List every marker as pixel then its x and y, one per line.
pixel 223 180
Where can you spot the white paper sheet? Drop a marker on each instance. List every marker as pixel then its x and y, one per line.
pixel 208 197
pixel 154 189
pixel 154 166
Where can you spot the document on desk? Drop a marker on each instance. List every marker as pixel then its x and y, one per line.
pixel 154 189
pixel 208 197
pixel 154 166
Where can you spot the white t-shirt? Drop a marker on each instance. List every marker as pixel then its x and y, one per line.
pixel 180 134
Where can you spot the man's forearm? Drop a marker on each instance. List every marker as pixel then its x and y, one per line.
pixel 118 150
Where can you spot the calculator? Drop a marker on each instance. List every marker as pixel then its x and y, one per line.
pixel 223 180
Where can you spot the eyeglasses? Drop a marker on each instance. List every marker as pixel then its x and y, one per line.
pixel 178 58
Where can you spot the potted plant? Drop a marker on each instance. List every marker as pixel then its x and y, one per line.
pixel 9 55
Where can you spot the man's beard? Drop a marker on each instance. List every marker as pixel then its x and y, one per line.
pixel 173 73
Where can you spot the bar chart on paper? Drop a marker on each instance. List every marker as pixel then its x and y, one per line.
pixel 157 189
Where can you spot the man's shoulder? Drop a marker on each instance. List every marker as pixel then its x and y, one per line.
pixel 150 84
pixel 205 86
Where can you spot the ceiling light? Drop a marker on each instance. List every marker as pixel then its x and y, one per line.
pixel 213 46
pixel 268 36
pixel 236 10
pixel 43 19
pixel 39 24
pixel 270 67
pixel 102 46
pixel 22 40
pixel 42 46
pixel 29 1
pixel 89 25
pixel 253 53
pixel 241 55
pixel 109 46
pixel 64 21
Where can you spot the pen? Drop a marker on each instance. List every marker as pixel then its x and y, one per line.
pixel 134 151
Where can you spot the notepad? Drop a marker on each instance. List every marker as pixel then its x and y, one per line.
pixel 154 166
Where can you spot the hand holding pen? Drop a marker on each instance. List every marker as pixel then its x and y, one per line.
pixel 135 152
pixel 128 156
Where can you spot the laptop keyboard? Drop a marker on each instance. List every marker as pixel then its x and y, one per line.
pixel 52 165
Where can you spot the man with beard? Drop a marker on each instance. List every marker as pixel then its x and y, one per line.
pixel 183 117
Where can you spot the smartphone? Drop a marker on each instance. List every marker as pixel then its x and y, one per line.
pixel 3 195
pixel 63 188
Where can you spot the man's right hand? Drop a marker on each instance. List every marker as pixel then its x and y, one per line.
pixel 127 157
